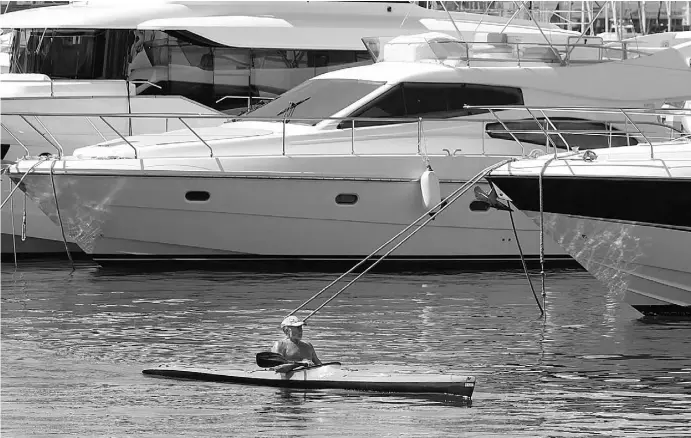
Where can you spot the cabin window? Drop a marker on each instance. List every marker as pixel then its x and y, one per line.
pixel 71 53
pixel 434 100
pixel 389 105
pixel 197 196
pixel 178 62
pixel 584 134
pixel 347 199
pixel 426 100
pixel 482 95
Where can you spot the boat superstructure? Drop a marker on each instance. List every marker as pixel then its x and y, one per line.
pixel 623 213
pixel 334 165
pixel 184 57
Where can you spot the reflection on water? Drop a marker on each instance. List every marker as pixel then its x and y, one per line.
pixel 74 345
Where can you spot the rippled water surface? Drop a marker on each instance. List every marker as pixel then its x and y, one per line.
pixel 74 345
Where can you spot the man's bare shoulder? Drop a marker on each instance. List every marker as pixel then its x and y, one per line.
pixel 279 345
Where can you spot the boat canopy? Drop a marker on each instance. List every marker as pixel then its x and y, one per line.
pixel 76 16
pixel 271 32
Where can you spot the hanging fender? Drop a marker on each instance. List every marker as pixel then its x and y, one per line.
pixel 429 186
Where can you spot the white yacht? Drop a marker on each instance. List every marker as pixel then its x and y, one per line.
pixel 623 213
pixel 183 57
pixel 332 168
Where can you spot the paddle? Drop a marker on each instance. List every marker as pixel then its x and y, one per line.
pixel 268 359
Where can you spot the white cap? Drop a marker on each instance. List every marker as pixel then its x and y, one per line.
pixel 291 321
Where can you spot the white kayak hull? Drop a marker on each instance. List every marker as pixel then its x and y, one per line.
pixel 327 377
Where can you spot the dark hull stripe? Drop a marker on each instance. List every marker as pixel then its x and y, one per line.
pixel 658 201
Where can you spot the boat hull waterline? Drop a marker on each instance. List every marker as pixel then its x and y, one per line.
pixel 326 377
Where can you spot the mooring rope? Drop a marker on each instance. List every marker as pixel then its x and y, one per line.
pixel 525 267
pixel 542 230
pixel 443 205
pixel 24 219
pixel 20 182
pixel 14 240
pixel 57 208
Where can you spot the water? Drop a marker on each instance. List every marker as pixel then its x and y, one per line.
pixel 74 345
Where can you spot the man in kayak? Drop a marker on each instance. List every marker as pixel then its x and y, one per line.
pixel 292 347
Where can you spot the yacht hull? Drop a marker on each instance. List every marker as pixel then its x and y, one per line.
pixel 647 265
pixel 41 236
pixel 631 230
pixel 128 216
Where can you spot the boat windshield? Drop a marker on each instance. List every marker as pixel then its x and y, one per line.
pixel 315 99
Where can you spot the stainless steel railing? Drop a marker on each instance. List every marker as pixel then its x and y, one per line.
pixel 544 119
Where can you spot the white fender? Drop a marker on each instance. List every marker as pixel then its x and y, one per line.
pixel 431 192
pixel 686 120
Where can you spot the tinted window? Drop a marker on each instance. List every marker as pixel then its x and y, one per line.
pixel 389 105
pixel 325 58
pixel 71 53
pixel 585 134
pixel 482 95
pixel 428 100
pixel 434 100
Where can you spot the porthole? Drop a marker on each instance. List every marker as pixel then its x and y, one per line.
pixel 197 196
pixel 346 199
pixel 479 206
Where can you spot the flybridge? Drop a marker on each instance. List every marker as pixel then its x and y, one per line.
pixel 494 48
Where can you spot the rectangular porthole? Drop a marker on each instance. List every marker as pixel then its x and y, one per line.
pixel 346 199
pixel 197 196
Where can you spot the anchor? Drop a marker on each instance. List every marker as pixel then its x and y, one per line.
pixel 491 199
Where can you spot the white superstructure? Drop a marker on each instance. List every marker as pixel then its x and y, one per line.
pixel 332 168
pixel 115 57
pixel 623 213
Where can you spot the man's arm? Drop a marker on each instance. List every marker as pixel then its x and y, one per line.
pixel 315 360
pixel 277 348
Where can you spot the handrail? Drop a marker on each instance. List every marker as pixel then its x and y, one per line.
pixel 624 116
pixel 2 125
pixel 249 99
pixel 119 135
pixel 561 51
pixel 584 109
pixel 57 147
pixel 144 81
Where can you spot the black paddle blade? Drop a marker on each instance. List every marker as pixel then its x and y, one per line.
pixel 267 359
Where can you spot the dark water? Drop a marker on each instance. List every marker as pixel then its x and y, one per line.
pixel 74 345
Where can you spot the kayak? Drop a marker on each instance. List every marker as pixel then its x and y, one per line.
pixel 329 376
